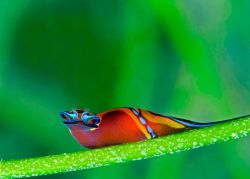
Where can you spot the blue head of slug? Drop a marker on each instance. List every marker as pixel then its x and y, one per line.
pixel 80 117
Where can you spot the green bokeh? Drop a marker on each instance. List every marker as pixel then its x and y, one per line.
pixel 188 59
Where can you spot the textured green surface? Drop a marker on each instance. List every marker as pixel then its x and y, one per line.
pixel 118 154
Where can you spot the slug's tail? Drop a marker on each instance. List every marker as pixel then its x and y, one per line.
pixel 193 124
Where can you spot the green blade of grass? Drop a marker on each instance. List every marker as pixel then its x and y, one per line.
pixel 129 152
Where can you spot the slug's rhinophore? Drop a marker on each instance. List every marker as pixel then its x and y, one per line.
pixel 122 125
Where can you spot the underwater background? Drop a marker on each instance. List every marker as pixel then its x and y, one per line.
pixel 189 59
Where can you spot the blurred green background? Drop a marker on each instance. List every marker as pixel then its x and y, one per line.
pixel 188 59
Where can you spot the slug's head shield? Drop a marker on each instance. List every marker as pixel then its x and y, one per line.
pixel 81 117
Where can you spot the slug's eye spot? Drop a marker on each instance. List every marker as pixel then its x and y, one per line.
pixel 94 121
pixel 69 115
pixel 63 115
pixel 90 120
